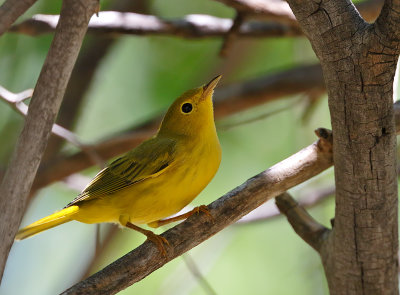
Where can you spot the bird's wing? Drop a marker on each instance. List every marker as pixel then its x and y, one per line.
pixel 152 158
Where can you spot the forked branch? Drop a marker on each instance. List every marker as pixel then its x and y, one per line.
pixel 312 232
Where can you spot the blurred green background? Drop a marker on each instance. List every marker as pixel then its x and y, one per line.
pixel 137 80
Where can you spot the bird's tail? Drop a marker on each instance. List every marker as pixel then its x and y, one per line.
pixel 45 223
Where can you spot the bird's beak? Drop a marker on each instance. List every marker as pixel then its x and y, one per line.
pixel 209 88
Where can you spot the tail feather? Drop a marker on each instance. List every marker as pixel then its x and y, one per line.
pixel 48 222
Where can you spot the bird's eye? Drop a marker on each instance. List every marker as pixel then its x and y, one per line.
pixel 187 108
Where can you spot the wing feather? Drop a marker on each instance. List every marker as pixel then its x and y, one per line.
pixel 150 159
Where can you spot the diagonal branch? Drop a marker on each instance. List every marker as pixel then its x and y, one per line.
pixel 226 210
pixel 16 102
pixel 312 232
pixel 10 10
pixel 45 103
pixel 240 96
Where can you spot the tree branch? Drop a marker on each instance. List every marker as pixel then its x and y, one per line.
pixel 10 10
pixel 45 102
pixel 240 96
pixel 309 200
pixel 192 267
pixel 145 259
pixel 114 23
pixel 15 100
pixel 232 34
pixel 312 232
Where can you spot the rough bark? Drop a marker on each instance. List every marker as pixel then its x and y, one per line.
pixel 358 61
pixel 45 103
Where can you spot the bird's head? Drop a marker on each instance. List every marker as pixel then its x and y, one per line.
pixel 192 112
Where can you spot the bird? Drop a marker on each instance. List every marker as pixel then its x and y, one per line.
pixel 156 179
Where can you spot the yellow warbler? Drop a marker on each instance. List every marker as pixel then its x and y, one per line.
pixel 156 179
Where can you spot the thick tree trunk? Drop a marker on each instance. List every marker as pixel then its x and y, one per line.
pixel 358 61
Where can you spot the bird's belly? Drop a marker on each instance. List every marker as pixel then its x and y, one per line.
pixel 167 195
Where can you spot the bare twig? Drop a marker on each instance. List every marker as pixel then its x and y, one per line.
pixel 111 232
pixel 191 265
pixel 226 210
pixel 237 97
pixel 232 34
pixel 312 232
pixel 10 10
pixel 267 211
pixel 229 126
pixel 45 103
pixel 16 101
pixel 114 23
pixel 313 99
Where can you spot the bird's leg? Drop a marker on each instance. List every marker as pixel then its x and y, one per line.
pixel 159 241
pixel 202 208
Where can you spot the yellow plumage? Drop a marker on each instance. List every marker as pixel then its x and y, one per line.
pixel 50 221
pixel 156 179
